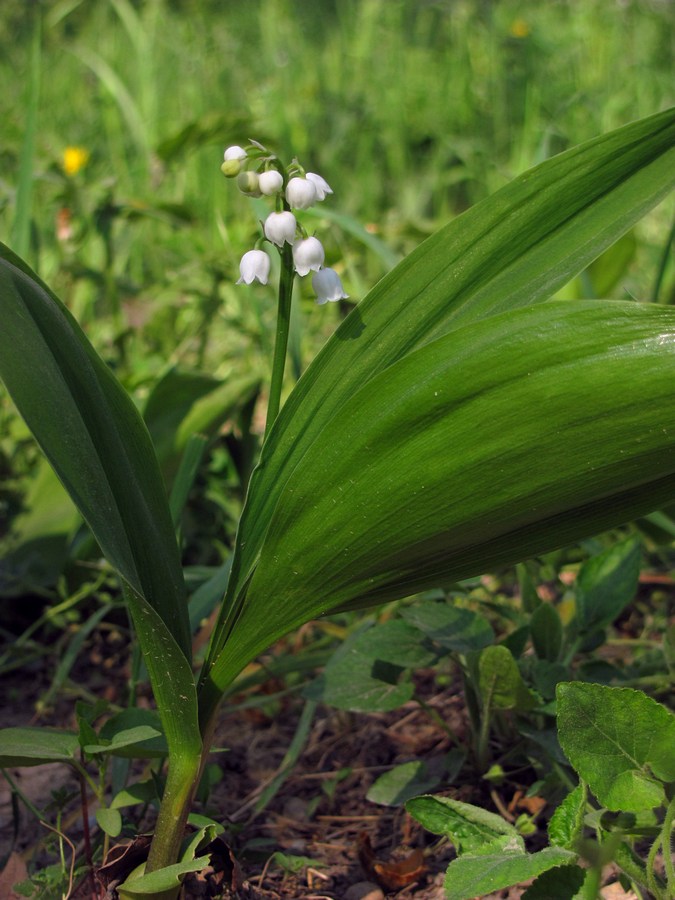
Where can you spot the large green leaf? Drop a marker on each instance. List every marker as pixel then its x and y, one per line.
pixel 495 442
pixel 96 440
pixel 514 249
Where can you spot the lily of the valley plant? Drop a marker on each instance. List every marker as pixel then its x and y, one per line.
pixel 459 419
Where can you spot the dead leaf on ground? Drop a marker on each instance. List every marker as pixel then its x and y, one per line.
pixel 14 871
pixel 392 876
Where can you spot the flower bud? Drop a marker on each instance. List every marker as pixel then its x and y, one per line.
pixel 300 193
pixel 248 183
pixel 230 168
pixel 320 185
pixel 280 228
pixel 234 152
pixel 254 266
pixel 270 182
pixel 327 286
pixel 308 255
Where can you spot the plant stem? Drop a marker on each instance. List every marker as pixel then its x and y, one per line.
pixel 181 783
pixel 283 327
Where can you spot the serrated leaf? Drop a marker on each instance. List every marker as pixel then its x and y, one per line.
pixel 567 821
pixel 515 249
pixel 35 746
pixel 402 783
pixel 471 829
pixel 476 876
pixel 619 741
pixel 547 632
pixel 606 584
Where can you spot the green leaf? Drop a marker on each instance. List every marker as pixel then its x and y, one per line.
pixel 566 884
pixel 35 746
pixel 109 820
pixel 353 680
pixel 399 643
pixel 514 249
pixel 401 783
pixel 93 436
pixel 450 626
pixel 547 632
pixel 606 584
pixel 124 739
pixel 619 741
pixel 162 880
pixel 501 684
pixel 476 876
pixel 140 792
pixel 128 722
pixel 568 820
pixel 471 829
pixel 360 521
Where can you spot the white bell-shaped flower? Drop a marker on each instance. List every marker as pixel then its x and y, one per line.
pixel 320 184
pixel 234 152
pixel 327 286
pixel 300 193
pixel 254 266
pixel 308 255
pixel 270 182
pixel 280 228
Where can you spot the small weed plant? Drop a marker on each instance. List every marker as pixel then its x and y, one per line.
pixel 459 419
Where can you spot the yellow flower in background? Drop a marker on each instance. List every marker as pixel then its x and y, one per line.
pixel 74 159
pixel 519 28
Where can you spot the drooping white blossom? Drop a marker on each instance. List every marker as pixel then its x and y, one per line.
pixel 320 184
pixel 254 266
pixel 270 182
pixel 308 255
pixel 300 193
pixel 327 286
pixel 280 228
pixel 234 152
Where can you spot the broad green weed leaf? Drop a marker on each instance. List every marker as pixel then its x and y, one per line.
pixel 140 792
pixel 443 466
pixel 568 819
pixel 397 642
pixel 565 883
pixel 471 829
pixel 450 626
pixel 476 876
pixel 357 682
pixel 402 783
pixel 514 249
pixel 619 741
pixel 35 746
pixel 500 682
pixel 606 584
pixel 547 632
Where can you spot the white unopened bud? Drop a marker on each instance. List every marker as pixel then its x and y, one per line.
pixel 328 287
pixel 234 152
pixel 280 228
pixel 308 255
pixel 300 193
pixel 254 266
pixel 270 182
pixel 320 185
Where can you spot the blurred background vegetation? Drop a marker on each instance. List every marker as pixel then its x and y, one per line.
pixel 114 117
